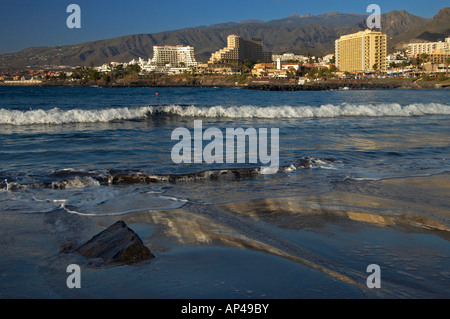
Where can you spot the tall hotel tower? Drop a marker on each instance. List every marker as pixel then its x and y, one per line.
pixel 364 51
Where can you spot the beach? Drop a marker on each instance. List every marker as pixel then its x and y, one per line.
pixel 363 179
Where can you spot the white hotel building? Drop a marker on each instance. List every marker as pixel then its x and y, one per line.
pixel 441 47
pixel 170 59
pixel 167 59
pixel 174 55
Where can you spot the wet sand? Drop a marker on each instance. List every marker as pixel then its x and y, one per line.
pixel 312 246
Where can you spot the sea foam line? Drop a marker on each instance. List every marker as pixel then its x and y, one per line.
pixel 59 116
pixel 323 111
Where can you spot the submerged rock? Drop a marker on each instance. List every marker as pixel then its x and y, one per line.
pixel 116 244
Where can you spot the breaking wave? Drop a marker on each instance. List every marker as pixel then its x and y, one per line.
pixel 324 111
pixel 59 116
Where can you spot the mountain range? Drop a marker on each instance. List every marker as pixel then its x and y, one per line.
pixel 307 34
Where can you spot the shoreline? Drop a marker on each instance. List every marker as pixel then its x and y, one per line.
pixel 351 85
pixel 248 83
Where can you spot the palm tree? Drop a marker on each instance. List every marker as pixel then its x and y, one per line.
pixel 424 57
pixel 375 68
pixel 415 64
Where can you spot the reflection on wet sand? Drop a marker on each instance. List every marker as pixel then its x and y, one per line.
pixel 301 212
pixel 258 224
pixel 417 202
pixel 193 229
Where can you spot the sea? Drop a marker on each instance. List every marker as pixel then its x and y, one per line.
pixel 358 207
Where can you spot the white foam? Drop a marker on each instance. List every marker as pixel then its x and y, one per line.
pixel 328 110
pixel 58 116
pixel 363 178
pixel 13 186
pixel 77 182
pixel 290 168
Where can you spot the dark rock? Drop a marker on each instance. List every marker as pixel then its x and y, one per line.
pixel 306 162
pixel 67 247
pixel 116 244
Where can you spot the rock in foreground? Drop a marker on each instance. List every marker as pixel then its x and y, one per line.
pixel 116 244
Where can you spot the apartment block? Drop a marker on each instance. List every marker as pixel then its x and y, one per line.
pixel 239 50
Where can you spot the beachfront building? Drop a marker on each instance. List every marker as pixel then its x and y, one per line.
pixel 434 55
pixel 290 57
pixel 176 56
pixel 364 51
pixel 263 69
pixel 275 70
pixel 415 50
pixel 107 67
pixel 168 59
pixel 238 51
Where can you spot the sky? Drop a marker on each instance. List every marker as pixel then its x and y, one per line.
pixel 33 23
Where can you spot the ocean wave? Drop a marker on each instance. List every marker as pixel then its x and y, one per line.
pixel 59 116
pixel 323 111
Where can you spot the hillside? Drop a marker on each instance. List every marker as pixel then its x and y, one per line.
pixel 298 34
pixel 435 29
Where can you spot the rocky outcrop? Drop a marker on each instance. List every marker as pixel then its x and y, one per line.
pixel 174 81
pixel 118 244
pixel 346 84
pixel 158 81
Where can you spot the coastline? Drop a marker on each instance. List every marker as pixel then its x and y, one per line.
pixel 248 83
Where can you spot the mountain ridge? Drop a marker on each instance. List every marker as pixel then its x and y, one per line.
pixel 437 28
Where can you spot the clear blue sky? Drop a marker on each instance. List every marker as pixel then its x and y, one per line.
pixel 27 23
